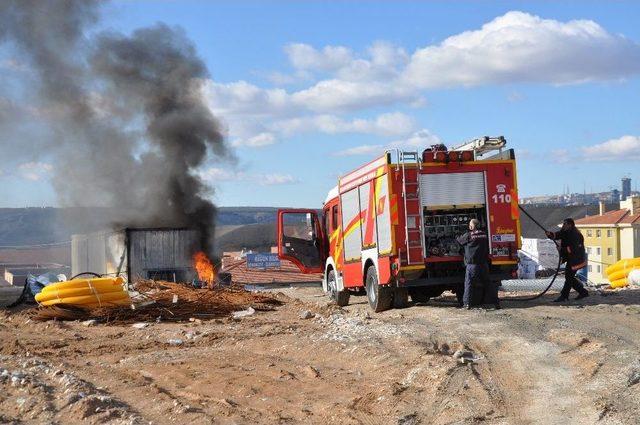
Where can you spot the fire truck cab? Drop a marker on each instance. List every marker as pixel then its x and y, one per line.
pixel 389 228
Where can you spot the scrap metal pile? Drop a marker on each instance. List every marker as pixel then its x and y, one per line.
pixel 164 301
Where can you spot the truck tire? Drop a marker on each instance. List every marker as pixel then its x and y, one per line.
pixel 341 298
pixel 379 297
pixel 419 295
pixel 400 297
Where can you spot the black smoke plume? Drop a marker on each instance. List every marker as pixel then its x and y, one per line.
pixel 126 120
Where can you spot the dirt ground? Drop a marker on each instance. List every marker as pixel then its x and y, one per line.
pixel 307 362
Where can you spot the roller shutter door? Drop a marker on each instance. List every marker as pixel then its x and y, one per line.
pixel 448 189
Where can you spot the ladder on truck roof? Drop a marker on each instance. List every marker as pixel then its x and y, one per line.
pixel 414 227
pixel 482 145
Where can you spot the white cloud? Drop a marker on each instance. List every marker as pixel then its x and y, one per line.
pixel 390 124
pixel 35 171
pixel 526 154
pixel 330 58
pixel 277 179
pixel 361 150
pixel 345 95
pixel 282 79
pixel 561 156
pixel 257 141
pixel 417 141
pixel 420 139
pixel 519 47
pixel 625 148
pixel 382 60
pixel 217 175
pixel 336 82
pixel 515 96
pixel 242 97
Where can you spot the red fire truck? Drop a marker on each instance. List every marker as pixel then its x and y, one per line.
pixel 388 229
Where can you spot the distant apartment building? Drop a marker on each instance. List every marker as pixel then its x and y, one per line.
pixel 615 196
pixel 611 236
pixel 626 188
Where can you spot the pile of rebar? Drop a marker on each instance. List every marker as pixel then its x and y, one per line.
pixel 167 301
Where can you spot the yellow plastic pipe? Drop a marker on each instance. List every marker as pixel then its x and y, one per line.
pixel 76 292
pixel 89 299
pixel 620 283
pixel 619 274
pixel 622 264
pixel 97 283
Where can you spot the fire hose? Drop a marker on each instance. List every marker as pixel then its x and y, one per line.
pixel 557 268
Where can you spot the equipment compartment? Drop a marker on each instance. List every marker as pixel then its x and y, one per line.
pixel 442 227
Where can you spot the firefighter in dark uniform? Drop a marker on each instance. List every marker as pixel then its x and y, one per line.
pixel 572 252
pixel 476 259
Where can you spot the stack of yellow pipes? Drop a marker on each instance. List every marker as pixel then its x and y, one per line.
pixel 86 293
pixel 618 273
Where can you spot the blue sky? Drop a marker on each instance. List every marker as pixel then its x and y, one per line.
pixel 310 90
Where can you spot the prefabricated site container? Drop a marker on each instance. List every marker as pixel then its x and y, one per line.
pixel 137 253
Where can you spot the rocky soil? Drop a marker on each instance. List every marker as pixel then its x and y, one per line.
pixel 308 362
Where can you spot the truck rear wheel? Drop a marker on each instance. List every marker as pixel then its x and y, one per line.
pixel 341 298
pixel 419 295
pixel 379 297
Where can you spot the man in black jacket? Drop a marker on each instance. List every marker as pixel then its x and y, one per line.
pixel 476 259
pixel 572 252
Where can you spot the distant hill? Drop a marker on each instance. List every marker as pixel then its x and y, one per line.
pixel 245 215
pixel 258 237
pixel 32 226
pixel 240 227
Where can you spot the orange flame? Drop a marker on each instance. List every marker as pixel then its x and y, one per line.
pixel 204 268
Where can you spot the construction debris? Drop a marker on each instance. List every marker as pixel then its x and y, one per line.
pixel 306 314
pixel 244 313
pixel 154 301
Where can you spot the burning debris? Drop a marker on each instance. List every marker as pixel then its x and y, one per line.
pixel 122 116
pixel 204 268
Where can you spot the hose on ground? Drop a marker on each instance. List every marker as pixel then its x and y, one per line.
pixel 557 268
pixel 88 273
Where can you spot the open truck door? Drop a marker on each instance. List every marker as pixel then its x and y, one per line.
pixel 300 239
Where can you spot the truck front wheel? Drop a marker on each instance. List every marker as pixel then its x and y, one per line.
pixel 380 297
pixel 341 298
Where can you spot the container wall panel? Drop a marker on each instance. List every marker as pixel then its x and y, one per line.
pixel 149 250
pixel 153 251
pixel 116 254
pixel 79 254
